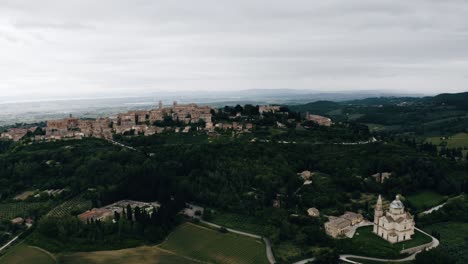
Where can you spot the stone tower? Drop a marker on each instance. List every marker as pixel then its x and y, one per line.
pixel 160 104
pixel 378 212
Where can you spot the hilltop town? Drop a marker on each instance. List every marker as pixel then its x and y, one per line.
pixel 175 118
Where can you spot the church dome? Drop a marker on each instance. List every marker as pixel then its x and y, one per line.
pixel 397 204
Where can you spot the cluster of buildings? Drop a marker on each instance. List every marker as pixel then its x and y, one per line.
pixel 394 225
pixel 16 134
pixel 176 117
pixel 107 212
pixel 137 122
pixel 77 128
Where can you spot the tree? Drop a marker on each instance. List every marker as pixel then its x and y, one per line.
pixel 129 213
pixel 434 256
pixel 327 256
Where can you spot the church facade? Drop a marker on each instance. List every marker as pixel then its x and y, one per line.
pixel 396 224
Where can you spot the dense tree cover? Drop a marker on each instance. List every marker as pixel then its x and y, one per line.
pixel 455 209
pixel 440 115
pixel 234 175
pixel 130 228
pixel 435 256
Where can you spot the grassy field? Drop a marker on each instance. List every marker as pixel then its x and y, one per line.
pixel 366 243
pixel 426 199
pixel 76 204
pixel 9 211
pixel 24 254
pixel 240 222
pixel 453 239
pixel 139 255
pixel 459 140
pixel 209 245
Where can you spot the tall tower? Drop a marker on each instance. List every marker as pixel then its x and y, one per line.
pixel 174 104
pixel 377 214
pixel 160 104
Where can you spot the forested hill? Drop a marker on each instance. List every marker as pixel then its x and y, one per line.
pixel 459 99
pixel 440 115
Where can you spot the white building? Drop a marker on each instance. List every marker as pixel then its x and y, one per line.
pixel 396 225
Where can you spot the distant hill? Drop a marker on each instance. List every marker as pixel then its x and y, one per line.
pixel 382 100
pixel 457 99
pixel 319 107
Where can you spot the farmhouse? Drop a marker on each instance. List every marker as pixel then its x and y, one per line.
pixel 313 212
pixel 107 212
pixel 381 176
pixel 320 120
pixel 339 226
pixel 396 225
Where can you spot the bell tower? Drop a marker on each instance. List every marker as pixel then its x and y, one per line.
pixel 378 212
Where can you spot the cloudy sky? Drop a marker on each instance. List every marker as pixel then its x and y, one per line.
pixel 87 47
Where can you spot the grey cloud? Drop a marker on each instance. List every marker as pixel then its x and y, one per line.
pixel 73 47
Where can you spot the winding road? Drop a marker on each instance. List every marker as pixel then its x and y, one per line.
pixel 269 252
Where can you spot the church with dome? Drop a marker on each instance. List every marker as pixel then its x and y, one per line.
pixel 396 224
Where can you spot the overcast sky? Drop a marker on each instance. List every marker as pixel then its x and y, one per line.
pixel 86 47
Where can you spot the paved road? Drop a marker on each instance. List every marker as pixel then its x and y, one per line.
pixel 435 208
pixel 269 252
pixel 435 243
pixel 9 243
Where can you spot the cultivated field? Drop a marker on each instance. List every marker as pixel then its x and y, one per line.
pixel 426 199
pixel 366 243
pixel 453 239
pixel 139 255
pixel 209 245
pixel 459 140
pixel 9 211
pixel 240 222
pixel 24 254
pixel 74 205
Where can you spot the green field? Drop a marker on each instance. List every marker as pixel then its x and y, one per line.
pixel 9 211
pixel 139 255
pixel 459 140
pixel 425 200
pixel 453 239
pixel 366 243
pixel 76 204
pixel 24 254
pixel 241 222
pixel 209 245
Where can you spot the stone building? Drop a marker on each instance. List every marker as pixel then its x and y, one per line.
pixel 320 120
pixel 339 226
pixel 381 176
pixel 396 224
pixel 313 212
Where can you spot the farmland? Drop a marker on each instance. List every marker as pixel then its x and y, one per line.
pixel 138 255
pixel 241 222
pixel 453 239
pixel 426 199
pixel 212 246
pixel 459 140
pixel 24 254
pixel 9 211
pixel 77 204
